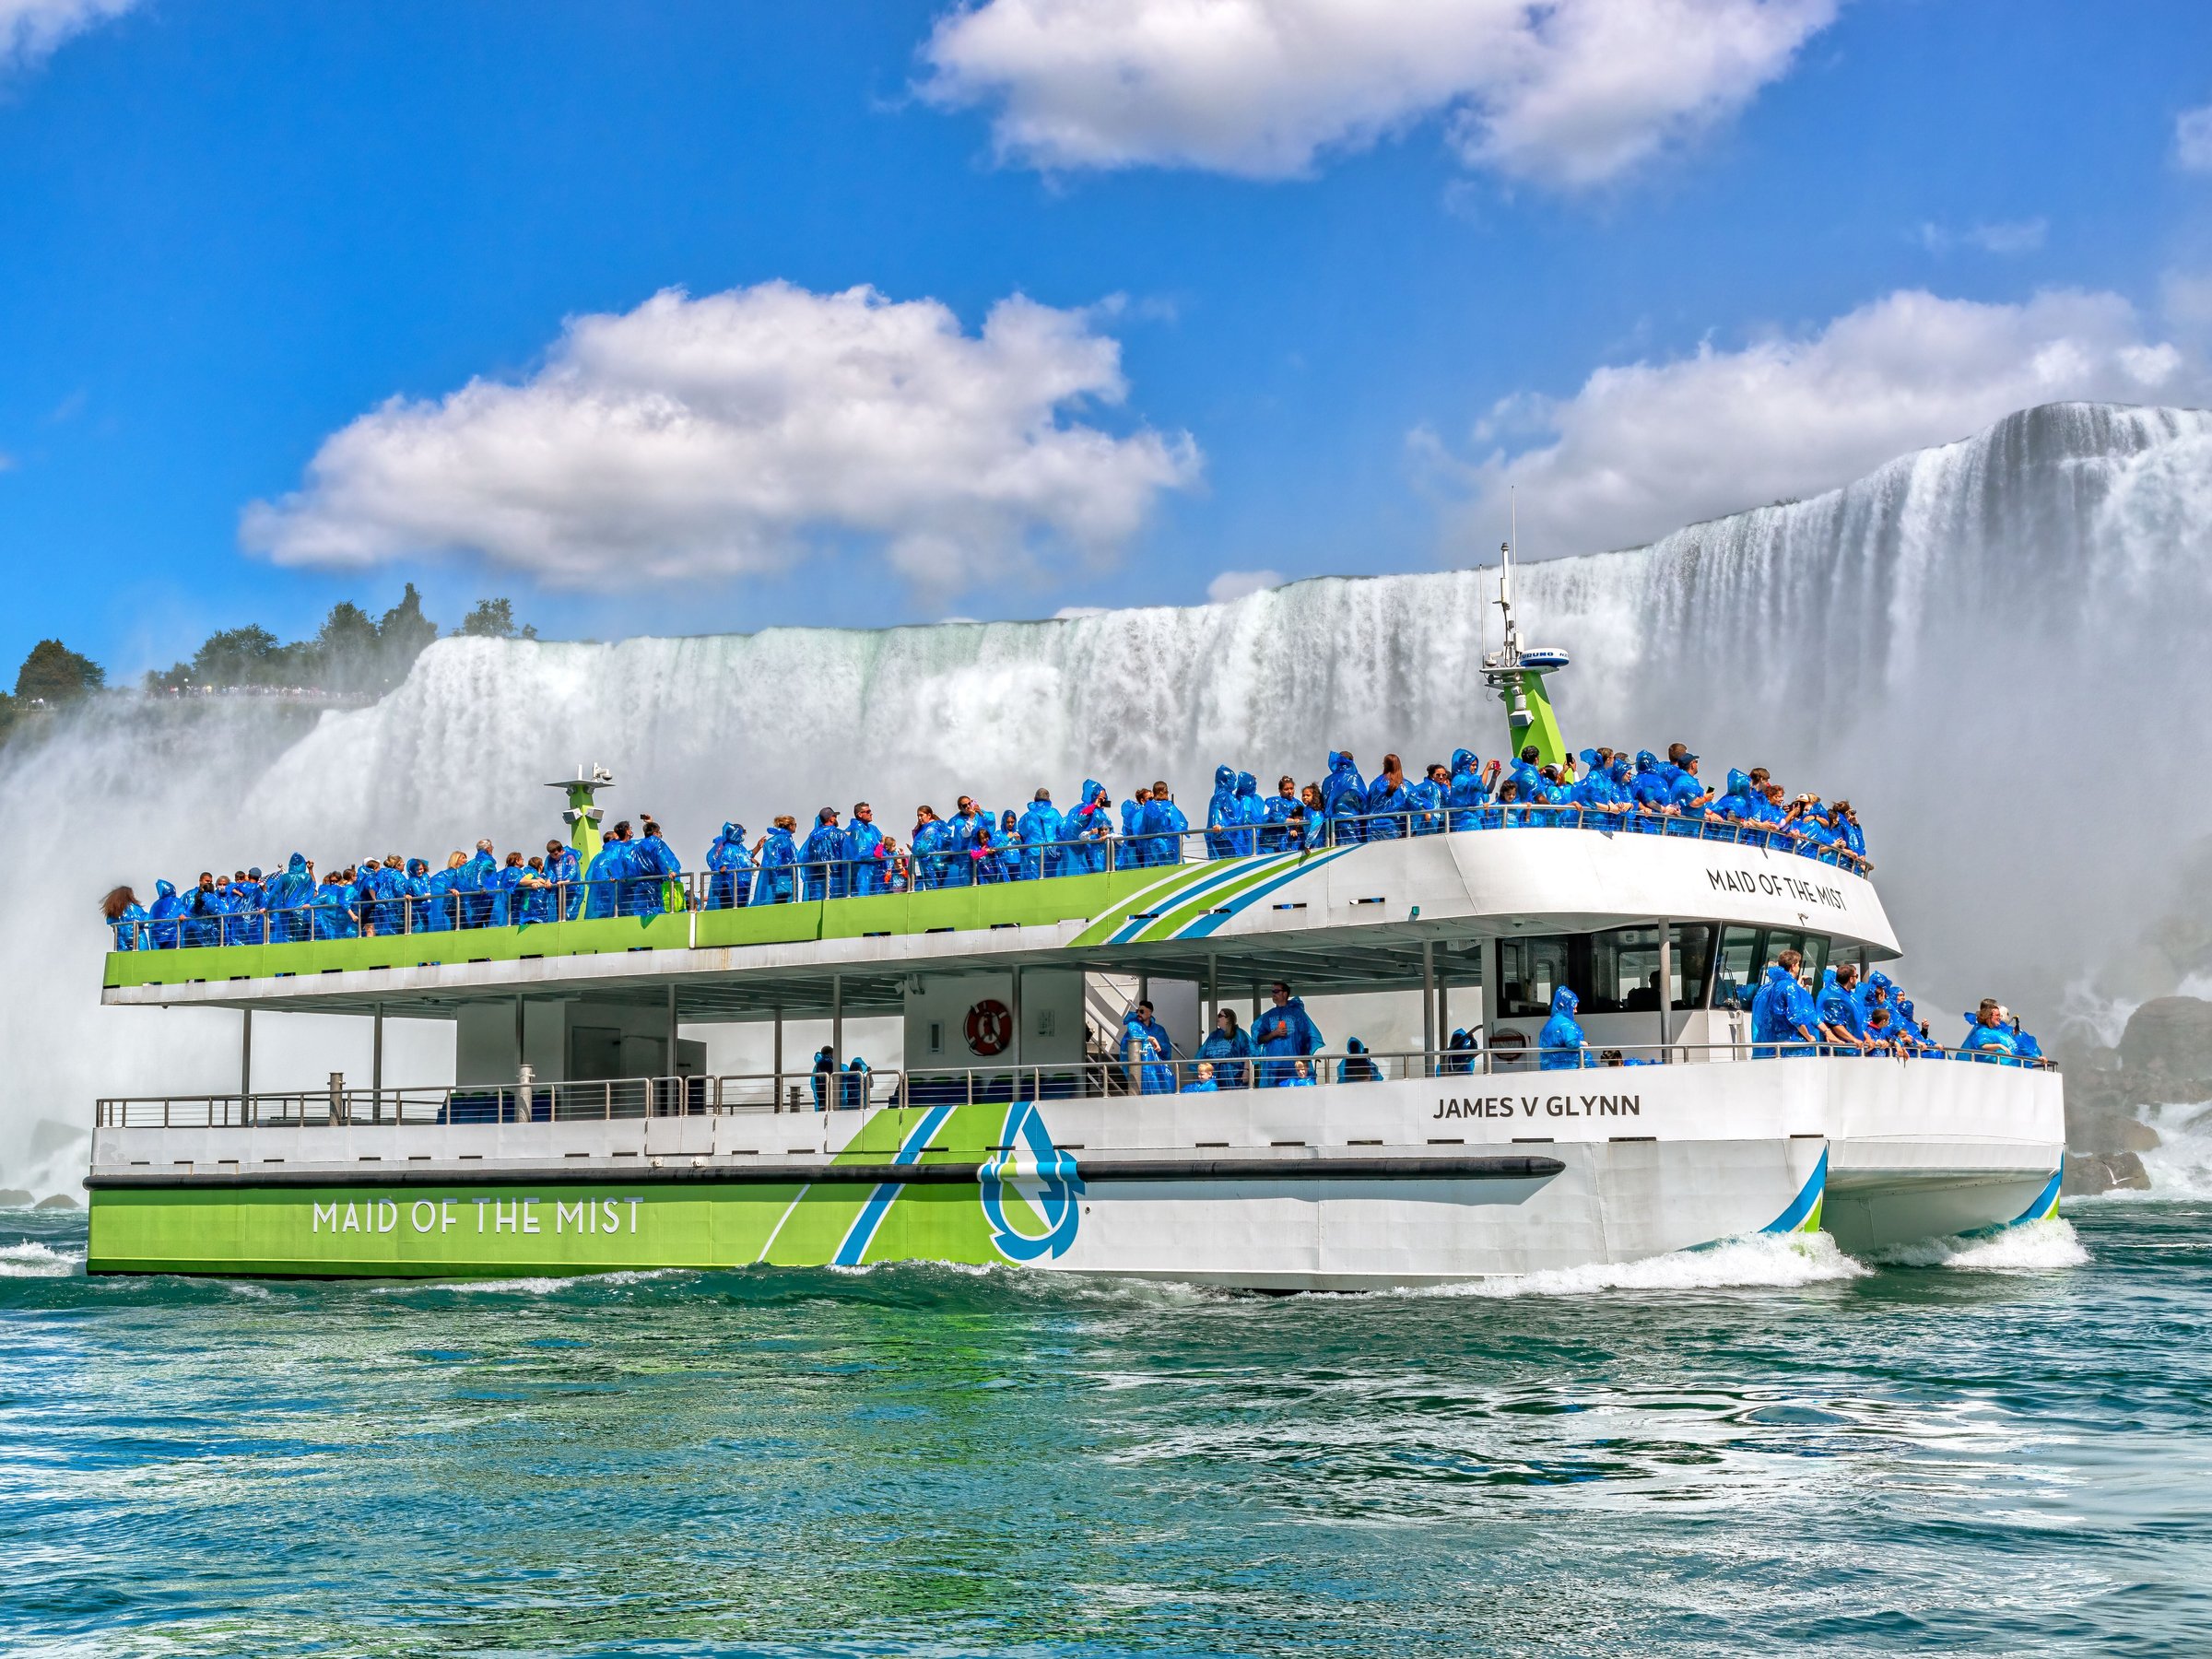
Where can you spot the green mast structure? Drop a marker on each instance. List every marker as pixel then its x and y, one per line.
pixel 1516 673
pixel 582 817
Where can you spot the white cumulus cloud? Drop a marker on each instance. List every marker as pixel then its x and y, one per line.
pixel 1232 585
pixel 30 29
pixel 729 433
pixel 1643 448
pixel 2192 139
pixel 1566 92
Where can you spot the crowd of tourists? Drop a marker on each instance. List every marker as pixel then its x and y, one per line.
pixel 636 872
pixel 1848 1013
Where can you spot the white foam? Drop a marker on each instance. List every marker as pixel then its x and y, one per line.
pixel 1764 1261
pixel 2180 1166
pixel 33 1259
pixel 2031 1247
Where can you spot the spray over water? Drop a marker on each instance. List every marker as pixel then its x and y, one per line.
pixel 1979 645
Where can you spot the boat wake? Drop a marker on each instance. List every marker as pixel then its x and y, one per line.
pixel 1766 1262
pixel 2031 1247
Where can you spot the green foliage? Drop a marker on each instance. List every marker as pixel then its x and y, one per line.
pixel 493 619
pixel 54 674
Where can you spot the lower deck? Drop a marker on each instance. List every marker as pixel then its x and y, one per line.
pixel 1341 1185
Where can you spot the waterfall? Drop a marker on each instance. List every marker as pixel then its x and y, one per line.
pixel 1989 647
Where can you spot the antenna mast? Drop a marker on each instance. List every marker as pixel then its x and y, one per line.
pixel 1517 675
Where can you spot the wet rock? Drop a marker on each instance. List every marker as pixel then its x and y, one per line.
pixel 14 1198
pixel 57 1201
pixel 2170 1037
pixel 2089 1174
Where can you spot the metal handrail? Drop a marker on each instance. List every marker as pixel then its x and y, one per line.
pixel 606 1100
pixel 828 880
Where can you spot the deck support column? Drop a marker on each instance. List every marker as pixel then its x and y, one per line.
pixel 1491 994
pixel 245 1059
pixel 837 1019
pixel 1428 1007
pixel 776 1101
pixel 1213 992
pixel 1667 981
pixel 376 1066
pixel 1014 1055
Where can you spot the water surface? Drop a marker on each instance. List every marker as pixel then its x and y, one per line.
pixel 1753 1449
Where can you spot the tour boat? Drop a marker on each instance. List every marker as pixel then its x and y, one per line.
pixel 585 1133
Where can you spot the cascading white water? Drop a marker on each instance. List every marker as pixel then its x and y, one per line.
pixel 1992 648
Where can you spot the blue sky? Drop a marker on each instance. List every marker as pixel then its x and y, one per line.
pixel 1242 331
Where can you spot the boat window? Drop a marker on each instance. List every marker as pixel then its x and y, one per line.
pixel 1623 976
pixel 1624 972
pixel 1739 965
pixel 1813 947
pixel 1692 962
pixel 1528 971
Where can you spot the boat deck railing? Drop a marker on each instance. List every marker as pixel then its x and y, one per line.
pixel 516 903
pixel 778 1092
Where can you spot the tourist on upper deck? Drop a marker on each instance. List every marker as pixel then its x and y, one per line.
pixel 1149 1051
pixel 1561 1044
pixel 1252 814
pixel 1279 806
pixel 1132 818
pixel 1283 1032
pixel 607 879
pixel 1428 797
pixel 863 851
pixel 1848 832
pixel 1389 803
pixel 1989 1036
pixel 1782 1012
pixel 777 859
pixel 2023 1044
pixel 1467 794
pixel 925 849
pixel 1227 1048
pixel 822 858
pixel 1164 827
pixel 126 919
pixel 1041 829
pixel 1223 815
pixel 1088 832
pixel 565 872
pixel 729 869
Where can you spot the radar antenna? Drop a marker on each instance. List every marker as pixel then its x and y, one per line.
pixel 1516 673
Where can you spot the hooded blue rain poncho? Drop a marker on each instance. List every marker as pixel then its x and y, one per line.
pixel 333 911
pixel 1561 1042
pixel 289 894
pixel 1468 794
pixel 656 889
pixel 1087 829
pixel 822 860
pixel 1734 801
pixel 164 931
pixel 1164 827
pixel 1343 777
pixel 1223 815
pixel 1283 1035
pixel 1146 1049
pixel 1252 814
pixel 1840 1009
pixel 1040 830
pixel 1782 1015
pixel 778 880
pixel 1228 1055
pixel 130 929
pixel 1355 1067
pixel 1992 1045
pixel 1427 799
pixel 864 852
pixel 607 882
pixel 1279 806
pixel 730 883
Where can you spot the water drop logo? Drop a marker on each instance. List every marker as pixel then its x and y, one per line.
pixel 1031 1190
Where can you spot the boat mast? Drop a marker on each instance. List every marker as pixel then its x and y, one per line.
pixel 1517 674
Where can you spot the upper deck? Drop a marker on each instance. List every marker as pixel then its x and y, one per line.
pixel 1345 916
